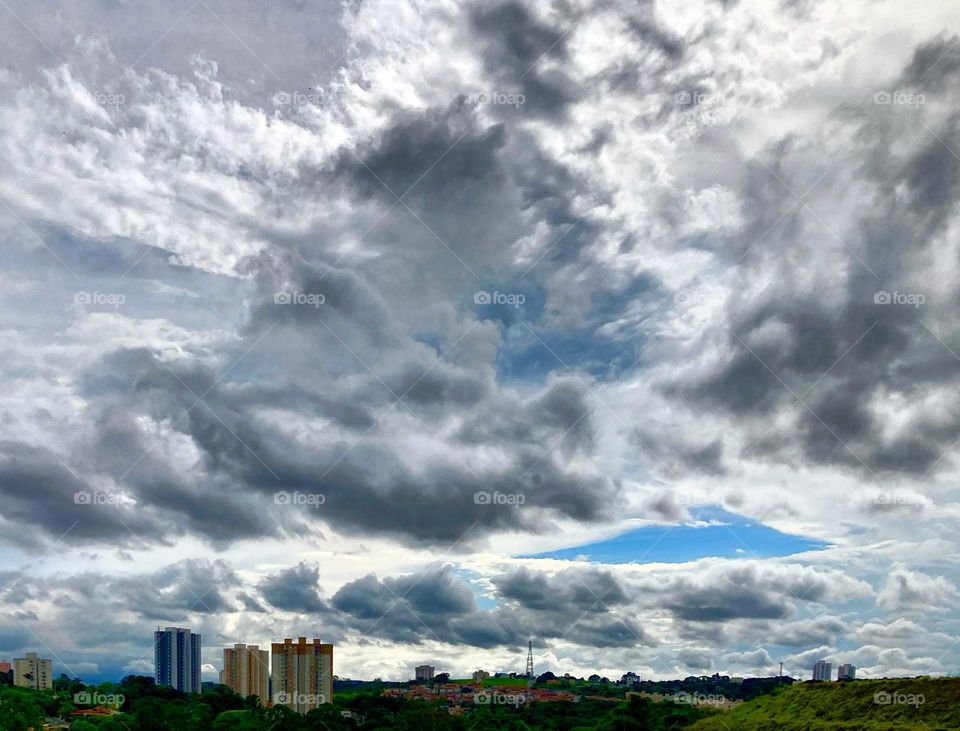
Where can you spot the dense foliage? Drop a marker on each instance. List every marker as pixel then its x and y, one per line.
pixel 917 704
pixel 146 707
pixel 865 705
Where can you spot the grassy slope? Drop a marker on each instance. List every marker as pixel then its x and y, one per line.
pixel 849 706
pixel 491 682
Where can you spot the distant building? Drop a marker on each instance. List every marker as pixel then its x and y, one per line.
pixel 177 659
pixel 246 671
pixel 629 678
pixel 33 672
pixel 302 674
pixel 821 670
pixel 424 672
pixel 846 672
pixel 480 675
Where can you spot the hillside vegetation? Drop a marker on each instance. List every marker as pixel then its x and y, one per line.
pixel 903 704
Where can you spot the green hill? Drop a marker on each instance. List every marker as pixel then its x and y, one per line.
pixel 898 704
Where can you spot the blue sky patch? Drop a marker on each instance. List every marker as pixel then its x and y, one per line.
pixel 725 535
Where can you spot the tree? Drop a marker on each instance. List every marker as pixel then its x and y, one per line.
pixel 19 712
pixel 237 721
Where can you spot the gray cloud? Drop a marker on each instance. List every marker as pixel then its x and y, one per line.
pixel 294 589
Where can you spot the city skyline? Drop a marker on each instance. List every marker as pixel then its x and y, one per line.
pixel 304 668
pixel 433 328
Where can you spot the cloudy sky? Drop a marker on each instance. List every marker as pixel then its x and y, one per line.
pixel 432 327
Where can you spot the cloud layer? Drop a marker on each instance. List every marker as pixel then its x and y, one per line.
pixel 316 323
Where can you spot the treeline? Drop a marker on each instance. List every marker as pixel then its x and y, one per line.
pixel 145 707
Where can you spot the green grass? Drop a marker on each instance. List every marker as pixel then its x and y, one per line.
pixel 848 706
pixel 490 682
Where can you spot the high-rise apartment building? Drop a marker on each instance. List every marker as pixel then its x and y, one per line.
pixel 424 672
pixel 846 672
pixel 33 672
pixel 177 658
pixel 821 670
pixel 301 673
pixel 246 671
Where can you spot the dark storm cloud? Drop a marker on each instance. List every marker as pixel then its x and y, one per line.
pixel 696 659
pixel 444 385
pixel 238 447
pixel 586 606
pixel 844 351
pixel 562 411
pixel 574 589
pixel 435 591
pixel 434 604
pixel 650 30
pixel 488 630
pixel 402 156
pixel 737 591
pixel 675 451
pixel 249 603
pixel 191 586
pixel 721 605
pixel 40 491
pixel 365 598
pixel 934 64
pixel 807 633
pixel 295 589
pixel 411 608
pixel 515 43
